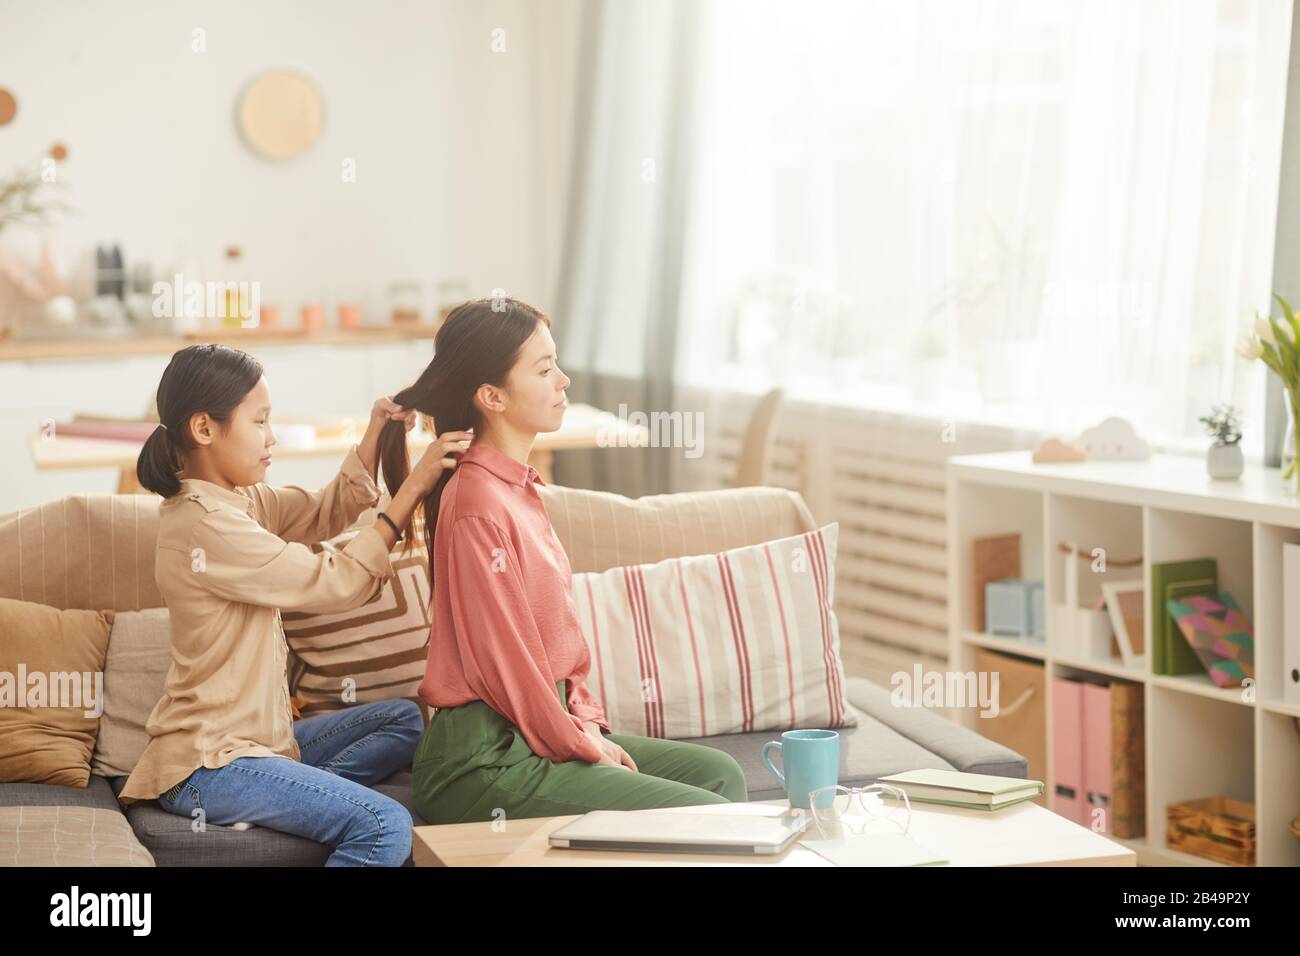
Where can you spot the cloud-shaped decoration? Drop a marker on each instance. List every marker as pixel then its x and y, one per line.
pixel 1055 450
pixel 1114 439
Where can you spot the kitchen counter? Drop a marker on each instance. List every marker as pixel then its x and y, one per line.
pixel 92 343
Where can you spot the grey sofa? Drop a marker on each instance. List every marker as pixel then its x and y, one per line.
pixel 598 531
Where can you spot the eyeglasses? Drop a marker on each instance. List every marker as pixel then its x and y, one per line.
pixel 832 809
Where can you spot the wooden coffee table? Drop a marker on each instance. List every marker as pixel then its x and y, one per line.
pixel 1023 835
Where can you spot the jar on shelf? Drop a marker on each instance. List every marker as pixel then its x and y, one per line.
pixel 313 317
pixel 404 301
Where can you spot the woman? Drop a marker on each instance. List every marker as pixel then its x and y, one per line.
pixel 516 731
pixel 232 552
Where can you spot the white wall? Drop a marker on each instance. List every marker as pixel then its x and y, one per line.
pixel 460 152
pixel 462 163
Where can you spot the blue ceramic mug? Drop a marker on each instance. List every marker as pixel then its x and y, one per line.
pixel 811 759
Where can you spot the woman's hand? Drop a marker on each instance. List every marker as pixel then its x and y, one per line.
pixel 613 754
pixel 424 475
pixel 436 458
pixel 384 410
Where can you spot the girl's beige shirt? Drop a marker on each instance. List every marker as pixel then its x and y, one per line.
pixel 227 563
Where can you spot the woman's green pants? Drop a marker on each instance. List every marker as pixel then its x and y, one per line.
pixel 474 765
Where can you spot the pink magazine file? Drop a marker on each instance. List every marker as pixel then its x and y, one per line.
pixel 1067 744
pixel 1096 756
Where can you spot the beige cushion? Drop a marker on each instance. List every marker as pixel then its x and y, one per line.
pixel 97 551
pixel 85 551
pixel 600 530
pixel 68 836
pixel 381 647
pixel 731 643
pixel 51 679
pixel 135 674
pixel 373 652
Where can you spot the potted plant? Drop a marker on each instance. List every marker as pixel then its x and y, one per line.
pixel 1273 342
pixel 1224 460
pixel 28 195
pixel 31 197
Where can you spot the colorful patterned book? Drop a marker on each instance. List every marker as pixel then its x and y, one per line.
pixel 1219 633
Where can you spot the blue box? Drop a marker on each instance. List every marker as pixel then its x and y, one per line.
pixel 1014 607
pixel 1037 611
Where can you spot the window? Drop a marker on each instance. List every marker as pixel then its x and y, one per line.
pixel 1027 212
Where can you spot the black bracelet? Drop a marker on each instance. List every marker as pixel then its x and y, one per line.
pixel 392 525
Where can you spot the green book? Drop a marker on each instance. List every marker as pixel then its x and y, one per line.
pixel 978 791
pixel 1170 652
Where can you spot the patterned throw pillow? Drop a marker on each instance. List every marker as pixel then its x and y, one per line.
pixel 739 641
pixel 370 653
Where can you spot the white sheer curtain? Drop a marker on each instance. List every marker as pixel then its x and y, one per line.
pixel 1030 212
pixel 621 264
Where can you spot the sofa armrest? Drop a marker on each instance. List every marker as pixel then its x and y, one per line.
pixel 964 749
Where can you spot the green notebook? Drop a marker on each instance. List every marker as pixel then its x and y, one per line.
pixel 1171 654
pixel 978 791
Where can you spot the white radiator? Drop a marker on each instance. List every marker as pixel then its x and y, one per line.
pixel 881 476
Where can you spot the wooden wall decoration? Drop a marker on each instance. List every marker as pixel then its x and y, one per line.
pixel 281 114
pixel 8 107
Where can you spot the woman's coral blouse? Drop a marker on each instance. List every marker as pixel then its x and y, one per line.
pixel 505 628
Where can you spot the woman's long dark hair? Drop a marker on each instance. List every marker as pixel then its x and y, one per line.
pixel 477 344
pixel 199 378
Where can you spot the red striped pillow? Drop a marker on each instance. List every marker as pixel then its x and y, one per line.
pixel 739 641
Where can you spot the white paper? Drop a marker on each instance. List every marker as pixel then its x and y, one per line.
pixel 875 849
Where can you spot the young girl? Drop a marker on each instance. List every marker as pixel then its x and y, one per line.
pixel 516 730
pixel 232 552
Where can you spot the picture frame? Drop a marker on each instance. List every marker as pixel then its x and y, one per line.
pixel 1126 605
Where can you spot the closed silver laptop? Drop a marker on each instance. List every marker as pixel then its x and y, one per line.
pixel 659 832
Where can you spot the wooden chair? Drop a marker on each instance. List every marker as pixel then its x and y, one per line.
pixel 756 445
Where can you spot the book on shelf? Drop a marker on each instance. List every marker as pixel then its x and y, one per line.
pixel 993 558
pixel 1219 634
pixel 1171 654
pixel 1291 624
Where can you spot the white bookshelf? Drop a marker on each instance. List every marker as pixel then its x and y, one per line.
pixel 1200 740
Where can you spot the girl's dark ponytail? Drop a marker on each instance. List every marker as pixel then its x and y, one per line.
pixel 476 344
pixel 199 378
pixel 158 464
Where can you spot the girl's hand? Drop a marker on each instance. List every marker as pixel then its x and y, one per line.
pixel 437 457
pixel 613 754
pixel 385 410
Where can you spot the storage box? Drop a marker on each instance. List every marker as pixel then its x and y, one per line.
pixel 1217 828
pixel 1014 607
pixel 1021 723
pixel 1083 632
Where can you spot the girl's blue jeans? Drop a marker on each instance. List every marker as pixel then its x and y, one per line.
pixel 326 797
